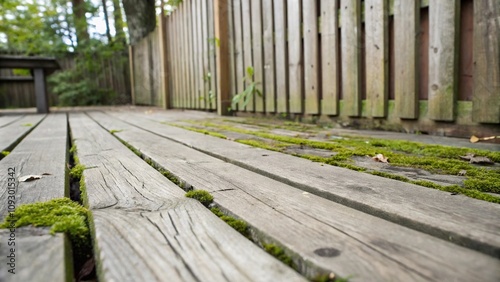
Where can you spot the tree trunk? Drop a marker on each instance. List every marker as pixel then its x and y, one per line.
pixel 117 14
pixel 141 18
pixel 106 20
pixel 80 21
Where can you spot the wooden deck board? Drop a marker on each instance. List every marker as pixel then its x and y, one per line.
pixel 44 150
pixel 39 256
pixel 173 237
pixel 6 120
pixel 431 211
pixel 380 249
pixel 11 133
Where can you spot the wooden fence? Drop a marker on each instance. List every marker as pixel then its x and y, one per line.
pixel 414 65
pixel 113 74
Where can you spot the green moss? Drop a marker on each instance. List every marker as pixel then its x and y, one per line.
pixel 206 132
pixel 202 196
pixel 459 190
pixel 260 144
pixel 279 253
pixel 77 171
pixel 61 215
pixel 170 176
pixel 238 225
pixel 4 154
pixel 390 175
pixel 113 131
pixel 73 150
pixel 27 124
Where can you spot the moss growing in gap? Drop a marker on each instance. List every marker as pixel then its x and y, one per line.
pixel 113 131
pixel 4 154
pixel 238 225
pixel 77 171
pixel 202 196
pixel 279 253
pixel 27 124
pixel 203 131
pixel 61 215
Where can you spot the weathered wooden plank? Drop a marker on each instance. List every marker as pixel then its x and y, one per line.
pixel 486 50
pixel 329 57
pixel 44 150
pixel 377 56
pixel 380 249
pixel 187 242
pixel 39 256
pixel 193 95
pixel 222 21
pixel 185 55
pixel 426 210
pixel 406 38
pixel 238 51
pixel 443 59
pixel 173 40
pixel 280 38
pixel 231 50
pixel 212 47
pixel 13 132
pixel 268 39
pixel 311 56
pixel 294 10
pixel 258 60
pixel 198 45
pixel 6 120
pixel 351 56
pixel 247 47
pixel 205 54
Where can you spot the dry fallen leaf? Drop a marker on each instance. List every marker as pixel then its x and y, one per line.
pixel 380 158
pixel 46 173
pixel 467 157
pixel 473 159
pixel 474 139
pixel 28 178
pixel 463 172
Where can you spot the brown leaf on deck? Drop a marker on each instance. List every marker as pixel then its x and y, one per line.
pixel 473 159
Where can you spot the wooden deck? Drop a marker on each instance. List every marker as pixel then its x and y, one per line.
pixel 327 219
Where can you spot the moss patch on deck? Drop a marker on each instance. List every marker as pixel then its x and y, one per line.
pixel 236 224
pixel 61 215
pixel 436 159
pixel 278 252
pixel 202 196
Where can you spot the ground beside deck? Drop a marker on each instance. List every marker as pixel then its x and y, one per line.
pixel 284 184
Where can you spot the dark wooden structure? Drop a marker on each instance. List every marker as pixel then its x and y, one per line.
pixel 40 67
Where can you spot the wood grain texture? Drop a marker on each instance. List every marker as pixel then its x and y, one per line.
pixel 176 70
pixel 44 150
pixel 222 19
pixel 182 56
pixel 380 249
pixel 238 50
pixel 443 59
pixel 131 58
pixel 406 40
pixel 426 210
pixel 280 38
pixel 351 56
pixel 40 256
pixel 247 46
pixel 14 131
pixel 6 120
pixel 268 45
pixel 186 242
pixel 257 52
pixel 294 17
pixel 329 57
pixel 486 50
pixel 186 56
pixel 311 57
pixel 377 56
pixel 198 58
pixel 214 80
pixel 193 77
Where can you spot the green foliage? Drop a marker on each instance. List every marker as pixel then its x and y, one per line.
pixel 4 154
pixel 62 215
pixel 202 196
pixel 77 171
pixel 247 95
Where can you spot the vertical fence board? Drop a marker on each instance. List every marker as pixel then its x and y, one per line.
pixel 164 63
pixel 351 56
pixel 295 55
pixel 131 59
pixel 269 77
pixel 247 45
pixel 377 56
pixel 192 56
pixel 176 70
pixel 486 101
pixel 281 56
pixel 443 59
pixel 213 64
pixel 231 50
pixel 199 56
pixel 205 56
pixel 258 65
pixel 222 28
pixel 238 50
pixel 311 57
pixel 183 53
pixel 406 34
pixel 329 56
